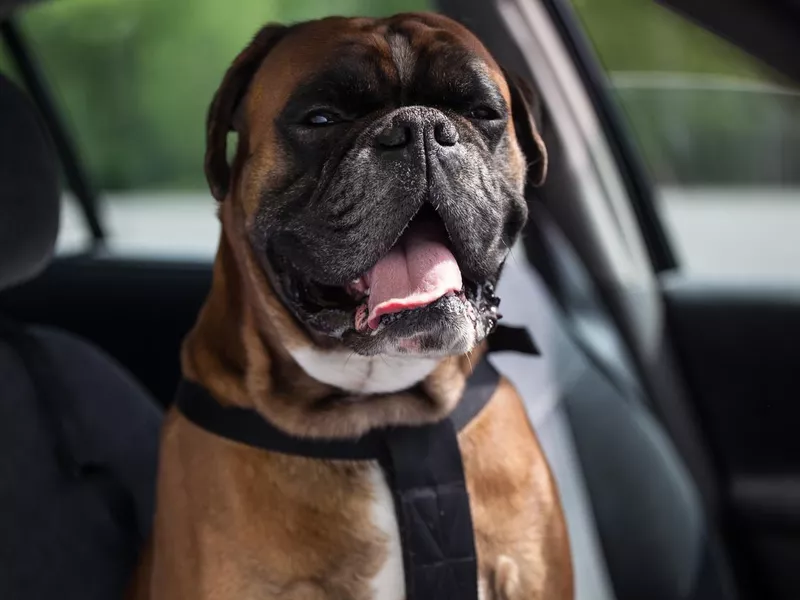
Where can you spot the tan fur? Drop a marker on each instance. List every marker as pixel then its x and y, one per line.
pixel 519 525
pixel 234 522
pixel 506 578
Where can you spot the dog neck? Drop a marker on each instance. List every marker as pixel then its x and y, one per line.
pixel 247 350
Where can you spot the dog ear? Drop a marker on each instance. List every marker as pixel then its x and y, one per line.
pixel 526 111
pixel 222 114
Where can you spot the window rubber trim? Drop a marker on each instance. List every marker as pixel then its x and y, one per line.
pixel 767 30
pixel 626 154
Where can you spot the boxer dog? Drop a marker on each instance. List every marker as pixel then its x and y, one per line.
pixel 375 191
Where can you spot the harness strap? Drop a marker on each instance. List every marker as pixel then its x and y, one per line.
pixel 422 466
pixel 246 426
pixel 426 476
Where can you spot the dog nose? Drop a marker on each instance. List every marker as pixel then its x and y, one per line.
pixel 427 128
pixel 445 133
pixel 396 135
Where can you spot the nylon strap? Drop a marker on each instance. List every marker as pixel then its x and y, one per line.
pixel 422 465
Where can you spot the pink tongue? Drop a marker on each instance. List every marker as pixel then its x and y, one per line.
pixel 417 271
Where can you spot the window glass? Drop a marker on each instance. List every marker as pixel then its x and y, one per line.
pixel 134 79
pixel 719 132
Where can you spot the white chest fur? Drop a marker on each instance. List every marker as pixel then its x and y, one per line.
pixel 364 374
pixel 373 375
pixel 389 583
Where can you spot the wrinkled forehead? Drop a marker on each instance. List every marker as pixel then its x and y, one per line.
pixel 400 50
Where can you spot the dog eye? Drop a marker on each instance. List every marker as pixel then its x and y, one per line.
pixel 483 113
pixel 319 118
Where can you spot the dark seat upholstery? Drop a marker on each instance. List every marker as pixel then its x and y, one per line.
pixel 637 525
pixel 78 437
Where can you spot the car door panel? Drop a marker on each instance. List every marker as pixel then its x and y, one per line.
pixel 737 345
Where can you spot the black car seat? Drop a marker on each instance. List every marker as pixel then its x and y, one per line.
pixel 78 437
pixel 638 523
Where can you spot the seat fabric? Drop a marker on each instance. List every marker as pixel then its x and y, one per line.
pixel 78 437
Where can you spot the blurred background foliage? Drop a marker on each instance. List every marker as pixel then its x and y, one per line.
pixel 703 112
pixel 135 78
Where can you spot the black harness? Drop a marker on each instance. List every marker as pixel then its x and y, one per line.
pixel 422 465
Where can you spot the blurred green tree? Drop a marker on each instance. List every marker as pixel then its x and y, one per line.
pixel 135 76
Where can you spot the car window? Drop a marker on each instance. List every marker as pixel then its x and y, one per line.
pixel 719 132
pixel 133 79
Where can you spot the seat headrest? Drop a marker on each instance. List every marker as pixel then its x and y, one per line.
pixel 29 189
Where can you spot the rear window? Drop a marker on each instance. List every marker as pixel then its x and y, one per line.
pixel 719 132
pixel 134 79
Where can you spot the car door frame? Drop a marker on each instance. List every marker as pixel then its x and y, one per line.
pixel 615 226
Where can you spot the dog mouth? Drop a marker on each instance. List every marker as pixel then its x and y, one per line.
pixel 416 284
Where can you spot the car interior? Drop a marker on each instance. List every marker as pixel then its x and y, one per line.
pixel 79 434
pixel 665 403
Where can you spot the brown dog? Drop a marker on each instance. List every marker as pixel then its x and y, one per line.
pixel 376 188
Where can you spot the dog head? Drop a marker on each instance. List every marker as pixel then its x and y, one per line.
pixel 379 177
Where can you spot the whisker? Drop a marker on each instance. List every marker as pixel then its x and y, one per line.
pixel 510 253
